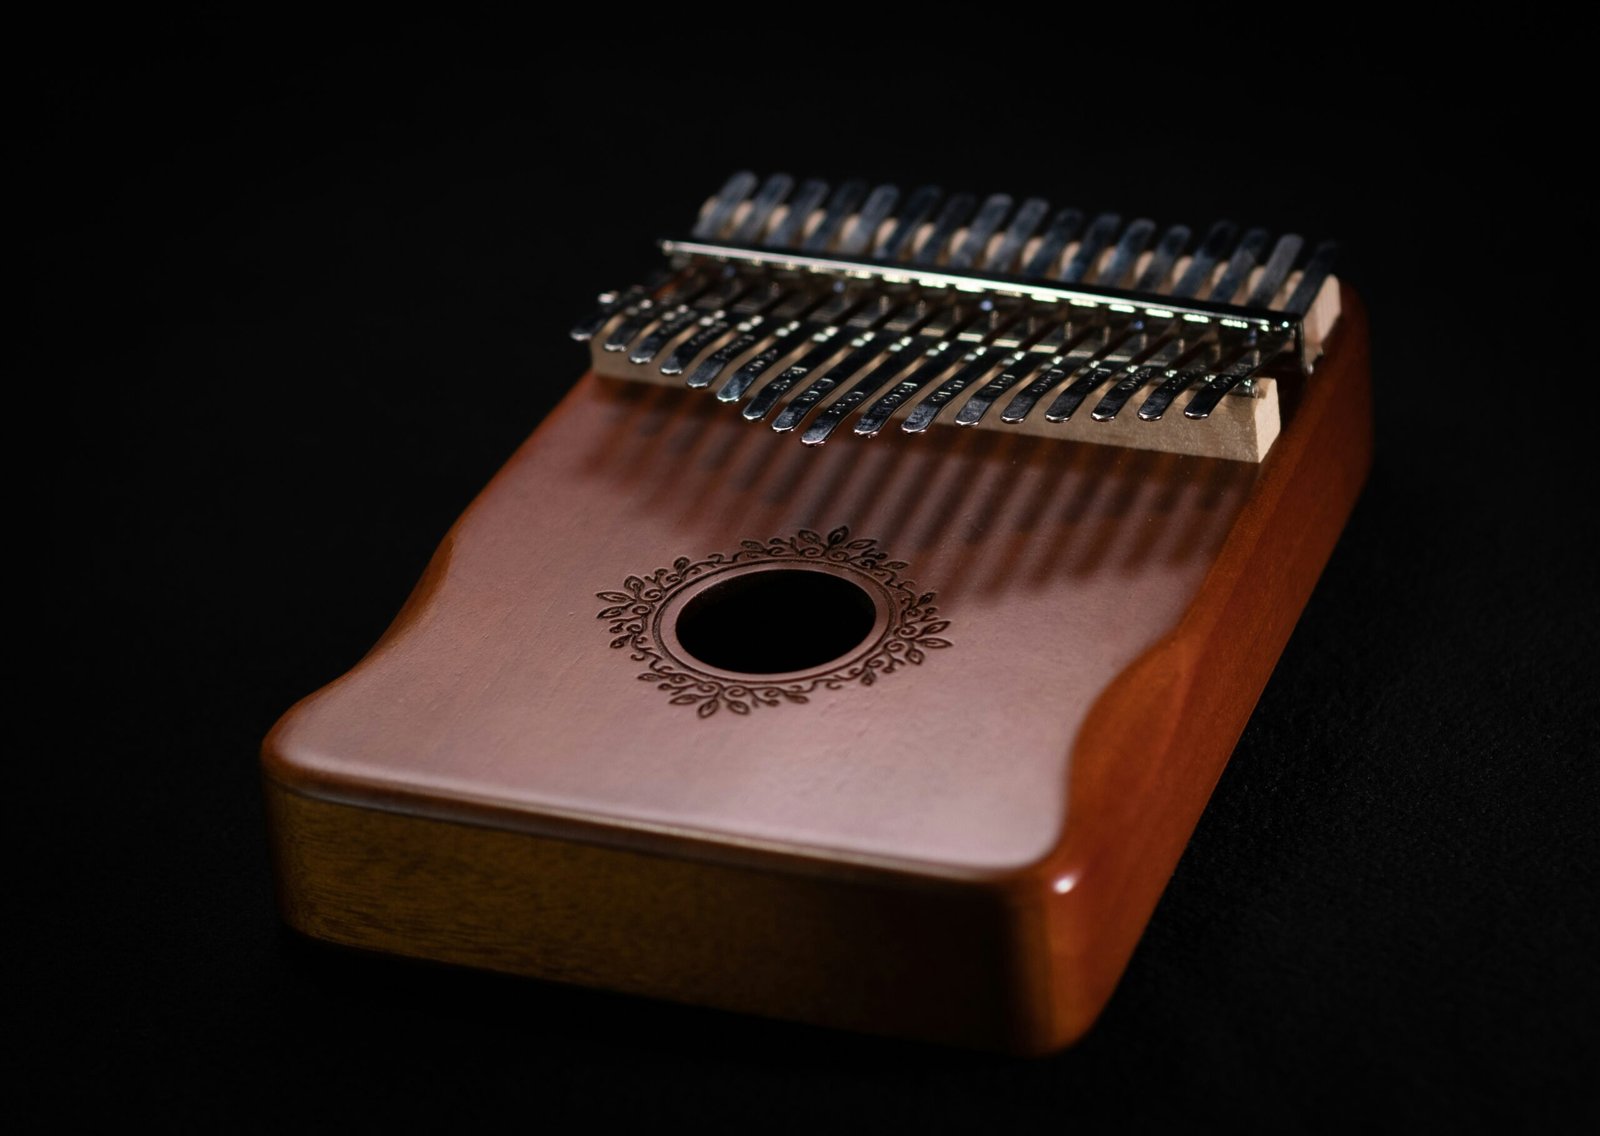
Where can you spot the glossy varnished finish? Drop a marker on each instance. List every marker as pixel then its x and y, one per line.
pixel 965 849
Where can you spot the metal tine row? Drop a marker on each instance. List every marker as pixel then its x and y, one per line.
pixel 913 337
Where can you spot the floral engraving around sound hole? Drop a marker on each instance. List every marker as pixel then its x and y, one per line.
pixel 914 625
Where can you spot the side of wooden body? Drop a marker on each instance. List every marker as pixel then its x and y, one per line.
pixel 1017 959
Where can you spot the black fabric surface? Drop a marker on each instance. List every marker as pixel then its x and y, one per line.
pixel 296 292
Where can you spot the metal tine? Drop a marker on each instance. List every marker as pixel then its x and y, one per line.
pixel 874 349
pixel 1084 343
pixel 990 216
pixel 870 348
pixel 786 233
pixel 685 315
pixel 745 313
pixel 828 342
pixel 1216 245
pixel 1165 359
pixel 1134 239
pixel 613 302
pixel 908 348
pixel 1119 350
pixel 840 205
pixel 751 331
pixel 978 363
pixel 1240 265
pixel 1311 279
pixel 717 321
pixel 1160 399
pixel 1168 249
pixel 788 339
pixel 916 211
pixel 654 308
pixel 1123 259
pixel 1305 292
pixel 1253 360
pixel 768 198
pixel 1030 215
pixel 878 205
pixel 1167 347
pixel 733 191
pixel 950 218
pixel 1095 240
pixel 1063 227
pixel 937 360
pixel 1018 364
pixel 1276 271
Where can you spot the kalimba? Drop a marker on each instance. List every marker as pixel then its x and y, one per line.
pixel 860 639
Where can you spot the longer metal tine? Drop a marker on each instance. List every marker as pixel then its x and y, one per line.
pixel 1276 271
pixel 768 198
pixel 1204 262
pixel 1311 278
pixel 1095 240
pixel 916 211
pixel 976 242
pixel 840 206
pixel 1134 239
pixel 1168 249
pixel 714 220
pixel 786 233
pixel 1030 215
pixel 1063 227
pixel 1240 265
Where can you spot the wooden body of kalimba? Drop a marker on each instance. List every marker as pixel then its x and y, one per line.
pixel 899 735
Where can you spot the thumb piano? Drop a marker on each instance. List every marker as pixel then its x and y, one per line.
pixel 860 639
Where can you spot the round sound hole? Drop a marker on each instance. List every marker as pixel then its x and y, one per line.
pixel 774 622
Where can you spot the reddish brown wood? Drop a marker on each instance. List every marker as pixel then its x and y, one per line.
pixel 966 849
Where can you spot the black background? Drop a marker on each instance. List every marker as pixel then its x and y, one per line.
pixel 297 290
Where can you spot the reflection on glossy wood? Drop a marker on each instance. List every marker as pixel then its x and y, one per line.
pixel 965 850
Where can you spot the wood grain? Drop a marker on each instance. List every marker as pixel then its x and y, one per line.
pixel 965 849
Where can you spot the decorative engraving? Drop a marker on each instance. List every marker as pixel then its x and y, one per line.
pixel 913 629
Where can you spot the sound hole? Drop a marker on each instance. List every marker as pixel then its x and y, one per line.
pixel 787 619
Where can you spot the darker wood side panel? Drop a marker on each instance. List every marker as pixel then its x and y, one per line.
pixel 927 962
pixel 1156 743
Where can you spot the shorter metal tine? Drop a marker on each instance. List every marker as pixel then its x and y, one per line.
pixel 1134 239
pixel 1168 249
pixel 1276 271
pixel 837 210
pixel 1311 279
pixel 907 222
pixel 786 233
pixel 1095 240
pixel 1030 215
pixel 976 241
pixel 1063 227
pixel 864 229
pixel 733 191
pixel 768 198
pixel 1204 262
pixel 1240 265
pixel 950 218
